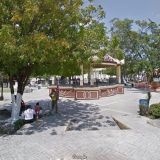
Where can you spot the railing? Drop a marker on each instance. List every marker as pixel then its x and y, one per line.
pixel 98 82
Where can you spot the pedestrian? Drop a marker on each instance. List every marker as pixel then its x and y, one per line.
pixel 54 98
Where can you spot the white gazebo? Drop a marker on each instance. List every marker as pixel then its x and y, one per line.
pixel 96 67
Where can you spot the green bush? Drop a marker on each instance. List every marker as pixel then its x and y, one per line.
pixel 154 110
pixel 18 124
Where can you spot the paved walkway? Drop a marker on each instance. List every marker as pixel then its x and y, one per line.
pixel 48 139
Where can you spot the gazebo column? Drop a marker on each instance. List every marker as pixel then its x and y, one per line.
pixel 118 70
pixel 91 76
pixel 82 76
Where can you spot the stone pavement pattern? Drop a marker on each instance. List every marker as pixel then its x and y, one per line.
pixel 48 140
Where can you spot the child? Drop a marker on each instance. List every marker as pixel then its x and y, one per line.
pixel 37 110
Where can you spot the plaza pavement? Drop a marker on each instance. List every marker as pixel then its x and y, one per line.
pixel 96 137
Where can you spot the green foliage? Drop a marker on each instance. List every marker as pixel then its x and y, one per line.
pixel 48 37
pixel 154 110
pixel 110 71
pixel 92 42
pixel 36 33
pixel 18 124
pixel 140 46
pixel 114 48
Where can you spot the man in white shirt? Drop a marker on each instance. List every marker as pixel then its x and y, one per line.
pixel 29 115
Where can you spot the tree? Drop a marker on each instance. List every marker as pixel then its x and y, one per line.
pixel 33 39
pixel 93 39
pixel 150 40
pixel 38 37
pixel 140 45
pixel 122 30
pixel 114 48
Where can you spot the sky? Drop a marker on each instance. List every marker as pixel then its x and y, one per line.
pixel 132 9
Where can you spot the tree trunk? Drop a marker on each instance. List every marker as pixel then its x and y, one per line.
pixel 56 106
pixel 89 76
pixel 150 77
pixel 16 99
pixel 22 79
pixel 16 105
pixel 69 80
pixel 1 97
pixel 13 98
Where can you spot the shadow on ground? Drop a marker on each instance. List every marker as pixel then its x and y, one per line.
pixel 79 116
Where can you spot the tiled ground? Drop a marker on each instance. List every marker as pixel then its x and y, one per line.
pixel 48 139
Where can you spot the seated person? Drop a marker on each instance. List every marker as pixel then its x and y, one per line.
pixel 23 107
pixel 38 110
pixel 28 114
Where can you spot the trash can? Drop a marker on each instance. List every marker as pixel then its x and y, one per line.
pixel 143 106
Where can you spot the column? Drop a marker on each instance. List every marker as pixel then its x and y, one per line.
pixel 81 76
pixel 118 74
pixel 92 76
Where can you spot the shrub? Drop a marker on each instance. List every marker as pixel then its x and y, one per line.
pixel 6 128
pixel 18 124
pixel 154 110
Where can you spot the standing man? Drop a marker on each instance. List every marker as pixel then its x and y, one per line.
pixel 54 97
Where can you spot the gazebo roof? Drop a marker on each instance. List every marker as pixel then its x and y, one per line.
pixel 108 58
pixel 107 61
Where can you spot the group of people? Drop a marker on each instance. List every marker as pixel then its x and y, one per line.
pixel 30 114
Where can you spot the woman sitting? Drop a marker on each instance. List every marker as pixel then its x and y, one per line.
pixel 28 114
